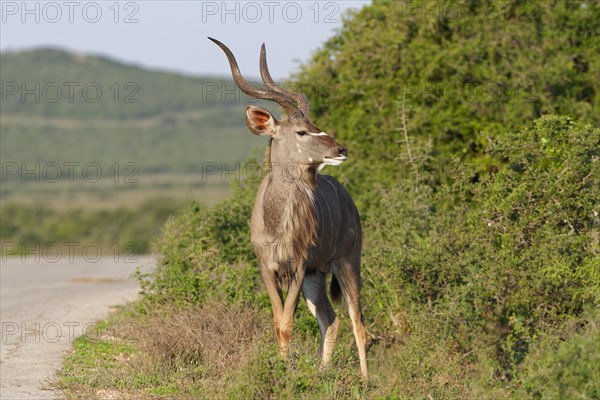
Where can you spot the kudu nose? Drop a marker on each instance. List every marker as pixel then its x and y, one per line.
pixel 343 151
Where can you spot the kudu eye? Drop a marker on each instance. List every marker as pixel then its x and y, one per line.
pixel 301 133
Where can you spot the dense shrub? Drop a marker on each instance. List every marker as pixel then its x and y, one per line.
pixel 504 255
pixel 562 368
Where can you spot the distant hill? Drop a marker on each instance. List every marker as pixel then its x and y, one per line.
pixel 59 106
pixel 68 86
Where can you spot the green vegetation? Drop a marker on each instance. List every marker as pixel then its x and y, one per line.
pixel 481 261
pixel 28 228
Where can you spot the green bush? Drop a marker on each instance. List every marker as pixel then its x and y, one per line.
pixel 566 369
pixel 504 255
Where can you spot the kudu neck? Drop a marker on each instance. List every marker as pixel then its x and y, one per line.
pixel 289 175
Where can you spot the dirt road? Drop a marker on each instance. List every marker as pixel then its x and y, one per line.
pixel 45 304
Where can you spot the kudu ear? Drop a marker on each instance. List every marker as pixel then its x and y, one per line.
pixel 260 121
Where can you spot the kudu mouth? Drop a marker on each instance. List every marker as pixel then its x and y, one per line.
pixel 335 160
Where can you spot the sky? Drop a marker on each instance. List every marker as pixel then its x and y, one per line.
pixel 171 35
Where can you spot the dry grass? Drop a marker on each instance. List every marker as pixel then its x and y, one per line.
pixel 169 352
pixel 213 334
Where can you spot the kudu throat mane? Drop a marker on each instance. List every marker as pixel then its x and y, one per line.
pixel 289 213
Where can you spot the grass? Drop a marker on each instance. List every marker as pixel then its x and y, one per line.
pixel 169 353
pixel 222 350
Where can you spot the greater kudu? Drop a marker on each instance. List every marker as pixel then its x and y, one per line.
pixel 304 224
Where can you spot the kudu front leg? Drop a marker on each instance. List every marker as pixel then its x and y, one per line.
pixel 275 295
pixel 286 324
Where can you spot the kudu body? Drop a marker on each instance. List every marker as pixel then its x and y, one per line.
pixel 304 224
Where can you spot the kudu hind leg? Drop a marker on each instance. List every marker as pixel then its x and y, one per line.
pixel 314 291
pixel 348 275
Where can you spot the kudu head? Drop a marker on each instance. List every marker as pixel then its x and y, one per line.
pixel 294 138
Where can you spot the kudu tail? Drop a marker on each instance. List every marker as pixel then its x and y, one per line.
pixel 335 290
